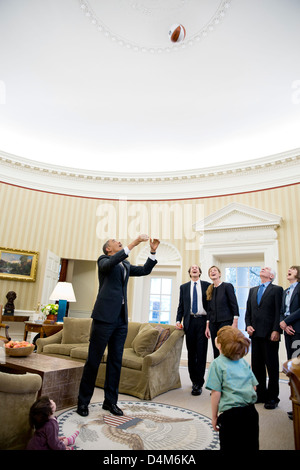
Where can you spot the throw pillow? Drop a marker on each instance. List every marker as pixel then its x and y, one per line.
pixel 164 334
pixel 145 341
pixel 76 330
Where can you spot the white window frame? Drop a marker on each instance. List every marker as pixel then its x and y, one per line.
pixel 169 265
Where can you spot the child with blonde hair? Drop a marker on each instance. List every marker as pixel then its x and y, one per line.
pixel 233 384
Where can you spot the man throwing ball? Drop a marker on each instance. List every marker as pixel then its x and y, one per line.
pixel 110 320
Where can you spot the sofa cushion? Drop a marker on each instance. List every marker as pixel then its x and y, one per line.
pixel 164 334
pixel 80 352
pixel 76 330
pixel 57 348
pixel 145 341
pixel 131 360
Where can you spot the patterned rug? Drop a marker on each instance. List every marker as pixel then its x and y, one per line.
pixel 144 426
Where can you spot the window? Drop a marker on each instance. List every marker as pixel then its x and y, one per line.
pixel 242 278
pixel 160 300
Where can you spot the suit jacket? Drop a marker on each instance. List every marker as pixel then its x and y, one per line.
pixel 265 317
pixel 294 318
pixel 113 284
pixel 184 306
pixel 223 306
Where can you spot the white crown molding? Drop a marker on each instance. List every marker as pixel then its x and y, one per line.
pixel 264 173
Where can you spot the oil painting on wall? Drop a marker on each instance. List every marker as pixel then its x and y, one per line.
pixel 18 265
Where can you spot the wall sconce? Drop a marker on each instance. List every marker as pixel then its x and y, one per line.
pixel 63 292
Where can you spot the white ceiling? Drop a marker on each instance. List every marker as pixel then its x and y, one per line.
pixel 120 100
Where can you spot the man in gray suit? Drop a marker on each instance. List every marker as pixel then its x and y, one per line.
pixel 110 320
pixel 262 324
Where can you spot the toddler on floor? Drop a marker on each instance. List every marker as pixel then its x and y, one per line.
pixel 43 420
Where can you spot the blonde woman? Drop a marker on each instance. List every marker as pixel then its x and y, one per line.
pixel 223 308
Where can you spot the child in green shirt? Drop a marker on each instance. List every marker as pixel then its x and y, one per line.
pixel 233 386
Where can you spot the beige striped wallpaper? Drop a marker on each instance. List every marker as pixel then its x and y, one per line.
pixel 75 227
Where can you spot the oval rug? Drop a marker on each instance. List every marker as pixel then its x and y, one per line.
pixel 144 426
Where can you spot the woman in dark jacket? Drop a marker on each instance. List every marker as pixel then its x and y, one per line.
pixel 222 306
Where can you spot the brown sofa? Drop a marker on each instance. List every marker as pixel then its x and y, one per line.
pixel 17 393
pixel 150 364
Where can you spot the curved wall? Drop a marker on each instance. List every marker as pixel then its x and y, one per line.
pixel 75 226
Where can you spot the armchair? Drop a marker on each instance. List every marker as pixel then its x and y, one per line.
pixel 17 393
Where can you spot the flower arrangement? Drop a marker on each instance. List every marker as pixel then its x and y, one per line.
pixel 50 309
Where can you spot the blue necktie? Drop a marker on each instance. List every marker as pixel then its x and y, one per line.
pixel 195 302
pixel 260 293
pixel 288 300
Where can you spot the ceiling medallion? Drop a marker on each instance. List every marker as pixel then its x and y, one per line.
pixel 143 25
pixel 155 6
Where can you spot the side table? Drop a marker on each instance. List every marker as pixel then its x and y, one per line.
pixel 43 329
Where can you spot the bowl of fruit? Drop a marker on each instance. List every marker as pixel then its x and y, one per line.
pixel 19 348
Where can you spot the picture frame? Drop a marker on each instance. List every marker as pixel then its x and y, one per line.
pixel 18 265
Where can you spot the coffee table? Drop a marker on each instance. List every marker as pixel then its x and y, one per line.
pixel 60 377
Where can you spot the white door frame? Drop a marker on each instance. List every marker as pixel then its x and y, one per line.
pixel 50 279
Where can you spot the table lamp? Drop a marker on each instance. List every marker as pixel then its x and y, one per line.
pixel 63 292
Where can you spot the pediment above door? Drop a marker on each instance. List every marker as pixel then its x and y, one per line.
pixel 237 216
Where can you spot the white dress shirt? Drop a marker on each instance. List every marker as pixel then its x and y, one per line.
pixel 201 310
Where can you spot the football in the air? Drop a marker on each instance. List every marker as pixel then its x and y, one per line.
pixel 177 33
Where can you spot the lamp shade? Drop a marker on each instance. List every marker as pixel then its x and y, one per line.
pixel 63 291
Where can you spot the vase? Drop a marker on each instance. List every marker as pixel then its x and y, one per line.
pixel 51 318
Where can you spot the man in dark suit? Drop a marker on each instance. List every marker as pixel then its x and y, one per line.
pixel 110 320
pixel 262 324
pixel 290 316
pixel 290 313
pixel 192 309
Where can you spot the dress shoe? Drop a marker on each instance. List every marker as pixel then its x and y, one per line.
pixel 271 405
pixel 82 410
pixel 196 390
pixel 114 409
pixel 290 414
